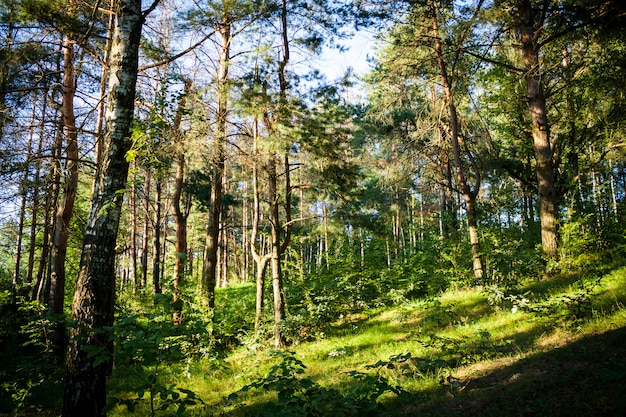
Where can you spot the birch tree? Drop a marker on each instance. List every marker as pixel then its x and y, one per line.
pixel 88 359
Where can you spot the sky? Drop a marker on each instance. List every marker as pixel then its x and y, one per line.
pixel 334 63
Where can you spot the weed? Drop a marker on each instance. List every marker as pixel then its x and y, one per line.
pixel 299 395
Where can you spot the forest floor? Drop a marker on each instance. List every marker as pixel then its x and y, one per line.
pixel 549 347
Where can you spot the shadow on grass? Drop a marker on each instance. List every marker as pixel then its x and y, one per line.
pixel 584 378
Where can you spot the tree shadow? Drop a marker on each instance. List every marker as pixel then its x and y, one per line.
pixel 584 378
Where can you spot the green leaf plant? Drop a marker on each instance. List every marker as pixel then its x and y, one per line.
pixel 299 395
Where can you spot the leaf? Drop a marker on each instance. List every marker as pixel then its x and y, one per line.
pixel 112 402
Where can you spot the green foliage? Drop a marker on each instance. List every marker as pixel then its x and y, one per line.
pixel 511 255
pixel 351 284
pixel 586 242
pixel 31 380
pixel 299 395
pixel 159 396
pixel 465 350
pixel 145 343
pixel 571 305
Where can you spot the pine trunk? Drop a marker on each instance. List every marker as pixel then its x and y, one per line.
pixel 540 130
pixel 468 195
pixel 209 271
pixel 61 232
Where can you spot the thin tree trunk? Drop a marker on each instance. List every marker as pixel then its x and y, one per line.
pixel 41 290
pixel 245 251
pixel 22 213
pixel 35 213
pixel 256 246
pixel 209 270
pixel 277 284
pixel 180 212
pixel 156 244
pixel 133 236
pixel 540 129
pixel 92 309
pixel 60 235
pixel 468 194
pixel 613 194
pixel 37 289
pixel 146 228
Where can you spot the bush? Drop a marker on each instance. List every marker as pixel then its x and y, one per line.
pixel 298 395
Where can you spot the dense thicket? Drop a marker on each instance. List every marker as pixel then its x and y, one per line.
pixel 487 146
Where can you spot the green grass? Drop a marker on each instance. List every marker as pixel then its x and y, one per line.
pixel 553 347
pixel 549 347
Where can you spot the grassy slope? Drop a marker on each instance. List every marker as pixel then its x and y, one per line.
pixel 562 352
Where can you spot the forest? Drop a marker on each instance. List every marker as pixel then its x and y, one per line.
pixel 199 218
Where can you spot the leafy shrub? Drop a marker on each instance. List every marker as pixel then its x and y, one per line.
pixel 143 344
pixel 465 350
pixel 32 378
pixel 298 395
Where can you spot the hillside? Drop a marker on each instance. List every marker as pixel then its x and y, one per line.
pixel 551 347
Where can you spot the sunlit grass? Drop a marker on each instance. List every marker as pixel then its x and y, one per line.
pixel 461 327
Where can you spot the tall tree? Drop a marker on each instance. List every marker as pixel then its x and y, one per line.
pixel 181 207
pixel 529 25
pixel 92 308
pixel 469 194
pixel 210 263
pixel 61 231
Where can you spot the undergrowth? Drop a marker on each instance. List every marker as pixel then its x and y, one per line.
pixel 431 355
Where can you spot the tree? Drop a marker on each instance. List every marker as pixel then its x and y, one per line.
pixel 536 100
pixel 209 269
pixel 181 208
pixel 61 230
pixel 468 193
pixel 88 359
pixel 426 48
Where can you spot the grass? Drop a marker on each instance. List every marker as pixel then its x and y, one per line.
pixel 553 347
pixel 550 347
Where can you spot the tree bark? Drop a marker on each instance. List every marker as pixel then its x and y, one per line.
pixel 134 270
pixel 92 308
pixel 157 262
pixel 22 213
pixel 275 254
pixel 540 129
pixel 61 232
pixel 468 194
pixel 180 212
pixel 260 260
pixel 209 270
pixel 146 228
pixel 42 287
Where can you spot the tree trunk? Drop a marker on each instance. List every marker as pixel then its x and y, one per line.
pixel 92 309
pixel 35 209
pixel 277 282
pixel 134 270
pixel 22 213
pixel 61 232
pixel 540 129
pixel 245 251
pixel 468 195
pixel 180 212
pixel 42 288
pixel 259 260
pixel 146 228
pixel 157 263
pixel 209 270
